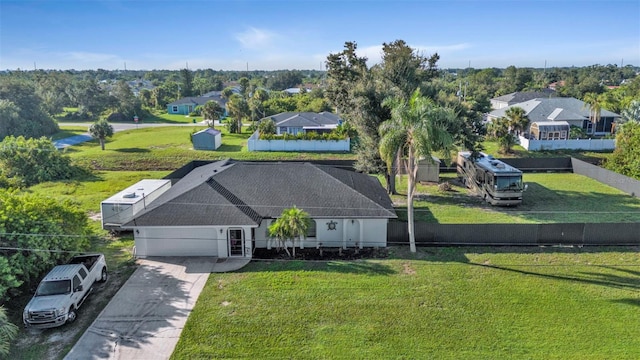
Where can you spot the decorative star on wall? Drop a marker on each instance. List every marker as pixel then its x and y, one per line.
pixel 331 225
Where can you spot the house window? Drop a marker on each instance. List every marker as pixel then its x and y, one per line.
pixel 311 230
pixel 174 108
pixel 543 135
pixel 563 136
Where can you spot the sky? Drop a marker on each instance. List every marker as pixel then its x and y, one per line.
pixel 278 35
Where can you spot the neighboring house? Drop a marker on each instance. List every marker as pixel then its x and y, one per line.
pixel 518 97
pixel 224 209
pixel 207 139
pixel 302 122
pixel 140 84
pixel 186 105
pixel 571 110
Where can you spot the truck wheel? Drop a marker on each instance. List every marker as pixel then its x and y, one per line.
pixel 103 276
pixel 71 317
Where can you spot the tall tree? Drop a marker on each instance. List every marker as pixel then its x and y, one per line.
pixel 292 225
pixel 238 110
pixel 405 69
pixel 631 113
pixel 211 110
pixel 594 102
pixel 34 121
pixel 186 86
pixel 101 130
pixel 417 128
pixel 256 104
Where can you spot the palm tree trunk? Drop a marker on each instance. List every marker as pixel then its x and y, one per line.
pixel 411 176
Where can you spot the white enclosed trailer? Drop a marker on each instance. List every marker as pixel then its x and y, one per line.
pixel 123 206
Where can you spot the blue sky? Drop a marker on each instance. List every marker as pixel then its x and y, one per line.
pixel 271 35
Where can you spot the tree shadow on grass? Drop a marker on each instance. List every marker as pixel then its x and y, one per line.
pixel 592 278
pixel 229 148
pixel 132 150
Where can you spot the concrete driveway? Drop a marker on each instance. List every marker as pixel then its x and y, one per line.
pixel 145 318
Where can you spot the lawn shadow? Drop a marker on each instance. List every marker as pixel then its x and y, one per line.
pixel 132 150
pixel 150 302
pixel 345 262
pixel 229 148
pixel 542 204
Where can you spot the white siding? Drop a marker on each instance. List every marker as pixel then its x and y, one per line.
pixel 348 233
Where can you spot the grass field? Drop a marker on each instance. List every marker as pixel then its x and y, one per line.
pixel 550 198
pixel 168 148
pixel 441 303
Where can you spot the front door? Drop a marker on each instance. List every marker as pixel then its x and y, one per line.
pixel 236 242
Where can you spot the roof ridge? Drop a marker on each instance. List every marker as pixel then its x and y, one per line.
pixel 232 198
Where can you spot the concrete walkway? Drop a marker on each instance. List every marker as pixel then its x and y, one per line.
pixel 145 318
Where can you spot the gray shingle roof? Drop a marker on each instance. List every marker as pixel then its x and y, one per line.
pixel 242 193
pixel 522 96
pixel 555 109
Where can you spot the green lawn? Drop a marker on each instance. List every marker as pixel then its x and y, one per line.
pixel 169 148
pixel 442 303
pixel 550 198
pixel 89 192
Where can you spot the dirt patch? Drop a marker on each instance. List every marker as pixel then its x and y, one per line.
pixel 55 343
pixel 407 269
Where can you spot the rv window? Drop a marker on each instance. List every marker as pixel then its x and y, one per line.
pixel 513 183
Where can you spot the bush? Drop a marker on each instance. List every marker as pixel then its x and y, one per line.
pixel 32 222
pixel 26 162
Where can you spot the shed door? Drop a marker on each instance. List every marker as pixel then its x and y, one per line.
pixel 236 242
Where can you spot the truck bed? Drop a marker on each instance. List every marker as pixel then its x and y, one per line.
pixel 89 261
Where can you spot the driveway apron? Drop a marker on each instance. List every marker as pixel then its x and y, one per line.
pixel 145 318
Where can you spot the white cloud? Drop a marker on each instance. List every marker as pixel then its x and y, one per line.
pixel 254 38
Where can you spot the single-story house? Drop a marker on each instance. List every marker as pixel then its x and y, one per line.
pixel 207 139
pixel 186 105
pixel 518 97
pixel 224 209
pixel 549 130
pixel 573 111
pixel 302 122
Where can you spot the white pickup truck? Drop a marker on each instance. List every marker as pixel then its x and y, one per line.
pixel 63 290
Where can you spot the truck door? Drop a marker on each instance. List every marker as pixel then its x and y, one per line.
pixel 76 283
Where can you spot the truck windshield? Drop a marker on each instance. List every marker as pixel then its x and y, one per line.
pixel 57 287
pixel 505 183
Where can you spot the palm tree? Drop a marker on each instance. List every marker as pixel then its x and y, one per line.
pixel 417 128
pixel 8 331
pixel 499 129
pixel 517 119
pixel 594 101
pixel 291 225
pixel 101 130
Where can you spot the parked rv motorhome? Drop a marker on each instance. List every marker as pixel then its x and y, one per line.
pixel 496 182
